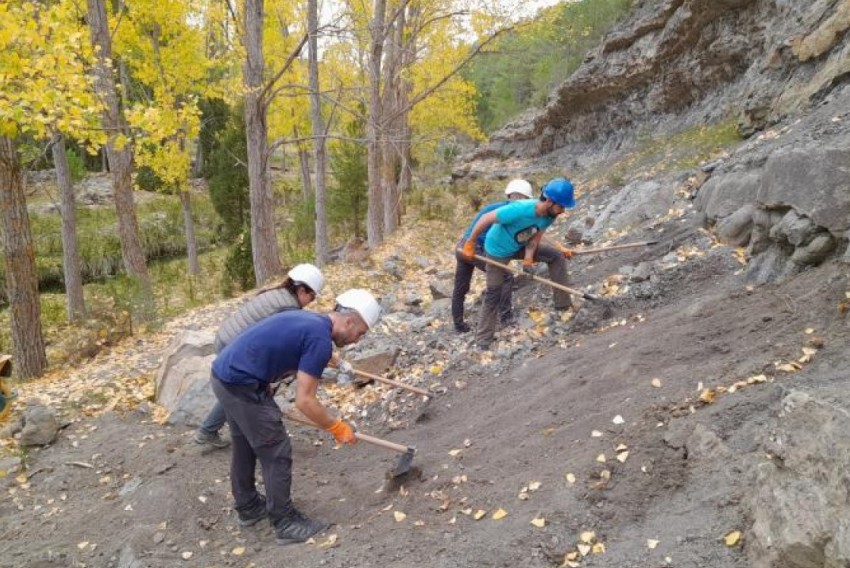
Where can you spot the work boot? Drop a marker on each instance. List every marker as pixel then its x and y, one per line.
pixel 254 514
pixel 212 439
pixel 297 528
pixel 462 327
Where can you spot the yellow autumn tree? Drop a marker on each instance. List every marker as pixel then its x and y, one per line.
pixel 163 44
pixel 45 90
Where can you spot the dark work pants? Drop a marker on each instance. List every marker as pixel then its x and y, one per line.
pixel 496 278
pixel 463 279
pixel 257 432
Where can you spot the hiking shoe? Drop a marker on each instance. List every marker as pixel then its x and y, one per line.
pixel 462 327
pixel 214 439
pixel 255 514
pixel 297 528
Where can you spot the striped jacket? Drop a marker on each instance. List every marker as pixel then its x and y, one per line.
pixel 261 306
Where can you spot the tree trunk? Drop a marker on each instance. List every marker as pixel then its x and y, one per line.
pixel 375 212
pixel 74 299
pixel 319 145
pixel 265 250
pixel 392 131
pixel 28 349
pixel 189 224
pixel 306 176
pixel 198 168
pixel 120 157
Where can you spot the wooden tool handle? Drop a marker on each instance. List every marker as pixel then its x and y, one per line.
pixel 509 268
pixel 385 380
pixel 301 419
pixel 381 442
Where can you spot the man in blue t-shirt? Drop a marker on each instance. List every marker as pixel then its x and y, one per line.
pixel 243 375
pixel 514 232
pixel 516 189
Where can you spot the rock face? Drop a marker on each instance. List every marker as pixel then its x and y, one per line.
pixel 800 500
pixel 678 63
pixel 182 384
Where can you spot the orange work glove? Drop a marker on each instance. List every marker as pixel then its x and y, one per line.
pixel 567 252
pixel 343 432
pixel 468 250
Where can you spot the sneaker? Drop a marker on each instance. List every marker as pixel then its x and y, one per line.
pixel 255 514
pixel 213 439
pixel 462 327
pixel 297 528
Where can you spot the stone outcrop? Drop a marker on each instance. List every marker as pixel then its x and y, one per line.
pixel 182 384
pixel 800 500
pixel 678 63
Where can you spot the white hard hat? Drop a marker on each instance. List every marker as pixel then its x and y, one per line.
pixel 361 302
pixel 520 186
pixel 308 275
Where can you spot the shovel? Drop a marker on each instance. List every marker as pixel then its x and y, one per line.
pixel 404 462
pixel 574 292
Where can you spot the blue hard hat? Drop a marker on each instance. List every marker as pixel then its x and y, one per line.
pixel 560 191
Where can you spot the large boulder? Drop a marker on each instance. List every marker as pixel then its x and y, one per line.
pixel 800 500
pixel 724 194
pixel 813 180
pixel 40 426
pixel 182 384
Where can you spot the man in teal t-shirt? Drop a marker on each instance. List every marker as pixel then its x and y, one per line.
pixel 516 189
pixel 514 232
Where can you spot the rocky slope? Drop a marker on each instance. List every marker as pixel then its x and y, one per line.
pixel 679 63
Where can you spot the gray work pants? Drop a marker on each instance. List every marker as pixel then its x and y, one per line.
pixel 257 432
pixel 496 277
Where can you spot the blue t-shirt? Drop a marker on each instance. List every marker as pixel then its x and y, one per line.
pixel 278 345
pixel 515 225
pixel 479 244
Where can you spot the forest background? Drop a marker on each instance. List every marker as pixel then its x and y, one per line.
pixel 238 138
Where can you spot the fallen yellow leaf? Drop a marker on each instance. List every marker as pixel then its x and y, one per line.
pixel 238 551
pixel 732 538
pixel 82 545
pixel 707 396
pixel 455 453
pixel 622 457
pixel 538 522
pixel 587 536
pixel 570 478
pixel 329 542
pixel 479 514
pixel 651 543
pixel 399 516
pixel 600 458
pixel 656 383
pixel 583 549
pixel 599 548
pixel 534 486
pixel 499 514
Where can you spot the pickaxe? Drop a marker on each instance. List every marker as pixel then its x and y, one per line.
pixel 404 462
pixel 509 268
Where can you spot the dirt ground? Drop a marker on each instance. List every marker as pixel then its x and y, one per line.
pixel 587 445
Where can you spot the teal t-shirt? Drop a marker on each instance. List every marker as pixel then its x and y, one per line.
pixel 516 223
